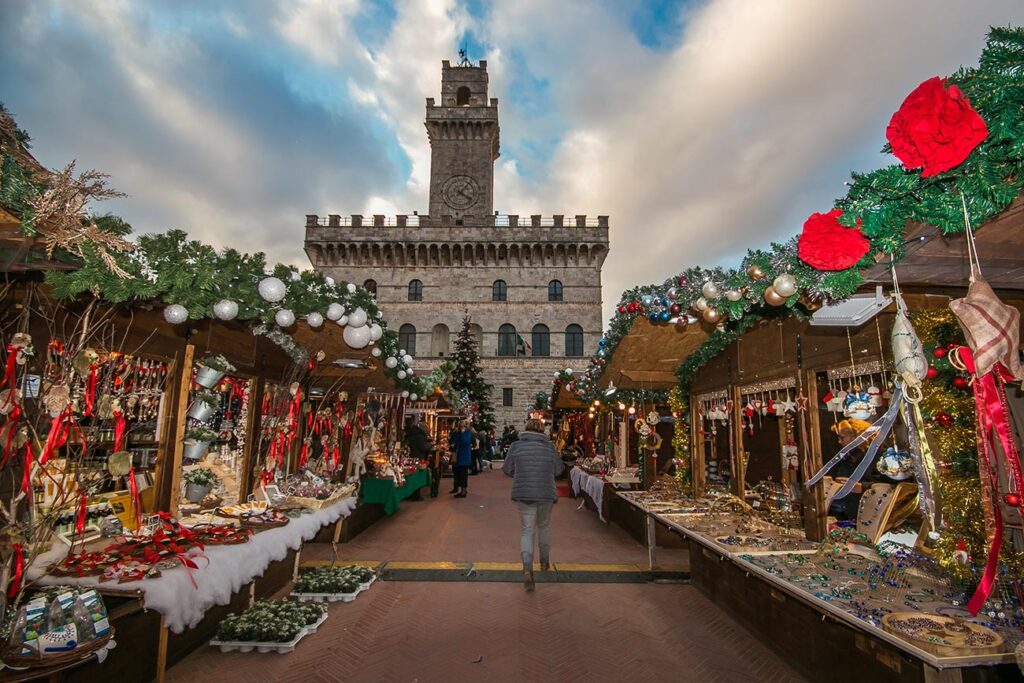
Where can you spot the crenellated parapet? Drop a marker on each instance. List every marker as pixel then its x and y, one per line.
pixel 424 221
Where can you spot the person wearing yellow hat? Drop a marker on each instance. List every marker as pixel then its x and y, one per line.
pixel 846 431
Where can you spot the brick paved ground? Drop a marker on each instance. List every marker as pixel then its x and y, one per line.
pixel 496 632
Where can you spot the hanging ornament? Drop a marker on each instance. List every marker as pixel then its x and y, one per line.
pixel 622 310
pixel 646 299
pixel 712 316
pixel 272 289
pixel 329 280
pixel 939 352
pixel 335 311
pixel 225 309
pixel 407 359
pixel 342 321
pixel 700 304
pixel 392 362
pixel 284 318
pixel 376 332
pixel 961 383
pixel 1012 499
pixel 943 418
pixel 357 318
pixel 351 288
pixel 314 319
pixel 784 285
pixel 675 309
pixel 710 291
pixel 568 371
pixel 733 294
pixel 405 394
pixel 401 374
pixel 376 352
pixel 175 314
pixel 755 273
pixel 931 373
pixel 357 337
pixel 681 323
pixel 772 298
pixel 672 293
pixel 413 397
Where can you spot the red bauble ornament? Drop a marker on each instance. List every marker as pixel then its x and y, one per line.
pixel 935 128
pixel 961 383
pixel 622 310
pixel 827 245
pixel 939 352
pixel 932 373
pixel 682 280
pixel 951 345
pixel 632 307
pixel 675 309
pixel 943 418
pixel 1012 499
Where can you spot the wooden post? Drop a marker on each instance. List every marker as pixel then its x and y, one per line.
pixel 161 651
pixel 253 424
pixel 815 512
pixel 739 473
pixel 698 467
pixel 180 406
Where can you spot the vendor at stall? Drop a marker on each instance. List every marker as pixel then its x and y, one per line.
pixel 845 509
pixel 421 447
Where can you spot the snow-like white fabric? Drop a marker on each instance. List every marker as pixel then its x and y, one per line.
pixel 594 487
pixel 230 567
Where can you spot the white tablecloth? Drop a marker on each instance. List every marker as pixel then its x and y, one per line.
pixel 591 485
pixel 230 567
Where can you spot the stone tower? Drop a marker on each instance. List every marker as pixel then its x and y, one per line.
pixel 463 132
pixel 534 277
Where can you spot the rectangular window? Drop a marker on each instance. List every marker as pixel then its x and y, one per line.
pixel 506 397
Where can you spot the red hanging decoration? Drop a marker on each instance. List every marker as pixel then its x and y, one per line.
pixel 58 435
pixel 12 429
pixel 935 128
pixel 26 475
pixel 19 572
pixel 133 487
pixel 9 373
pixel 80 519
pixel 120 428
pixel 304 455
pixel 90 390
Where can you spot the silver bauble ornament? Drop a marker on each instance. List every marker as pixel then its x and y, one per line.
pixel 401 374
pixel 784 285
pixel 413 397
pixel 175 314
pixel 357 318
pixel 391 362
pixel 772 297
pixel 733 294
pixel 351 288
pixel 700 304
pixel 284 318
pixel 672 292
pixel 357 337
pixel 315 319
pixel 329 280
pixel 407 359
pixel 335 311
pixel 405 394
pixel 376 332
pixel 376 352
pixel 342 321
pixel 710 291
pixel 272 289
pixel 225 309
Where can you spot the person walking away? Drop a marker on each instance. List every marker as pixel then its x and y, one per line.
pixel 533 463
pixel 421 447
pixel 463 442
pixel 478 451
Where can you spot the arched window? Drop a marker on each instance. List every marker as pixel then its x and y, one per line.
pixel 554 290
pixel 541 340
pixel 462 97
pixel 574 340
pixel 499 291
pixel 415 291
pixel 439 340
pixel 507 340
pixel 370 286
pixel 478 336
pixel 407 338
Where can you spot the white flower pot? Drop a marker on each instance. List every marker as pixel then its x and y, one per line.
pixel 196 493
pixel 201 411
pixel 195 450
pixel 208 377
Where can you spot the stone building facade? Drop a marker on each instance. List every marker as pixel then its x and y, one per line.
pixel 537 278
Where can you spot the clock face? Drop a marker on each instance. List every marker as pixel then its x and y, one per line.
pixel 460 192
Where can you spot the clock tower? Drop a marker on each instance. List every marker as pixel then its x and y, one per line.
pixel 463 132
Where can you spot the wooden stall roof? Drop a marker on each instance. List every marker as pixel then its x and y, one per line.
pixel 937 260
pixel 566 400
pixel 647 356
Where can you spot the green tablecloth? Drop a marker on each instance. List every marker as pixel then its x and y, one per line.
pixel 384 490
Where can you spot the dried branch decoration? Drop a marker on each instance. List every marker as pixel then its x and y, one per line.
pixel 60 213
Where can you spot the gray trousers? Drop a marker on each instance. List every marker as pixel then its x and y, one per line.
pixel 535 515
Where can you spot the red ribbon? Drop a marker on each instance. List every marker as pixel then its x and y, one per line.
pixel 26 475
pixel 19 572
pixel 12 429
pixel 9 379
pixel 993 421
pixel 90 390
pixel 133 487
pixel 120 426
pixel 58 435
pixel 80 520
pixel 337 455
pixel 304 455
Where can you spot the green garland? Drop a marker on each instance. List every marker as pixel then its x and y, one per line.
pixel 883 200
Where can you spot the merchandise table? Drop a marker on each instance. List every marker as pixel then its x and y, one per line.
pixel 591 485
pixel 384 491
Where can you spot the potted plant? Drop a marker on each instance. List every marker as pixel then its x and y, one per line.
pixel 198 483
pixel 204 405
pixel 212 369
pixel 197 442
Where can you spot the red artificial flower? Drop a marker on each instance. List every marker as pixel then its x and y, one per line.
pixel 935 128
pixel 827 245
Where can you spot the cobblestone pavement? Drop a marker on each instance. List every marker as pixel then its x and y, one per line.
pixel 421 632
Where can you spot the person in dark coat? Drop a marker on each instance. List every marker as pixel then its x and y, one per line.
pixel 533 463
pixel 463 444
pixel 421 447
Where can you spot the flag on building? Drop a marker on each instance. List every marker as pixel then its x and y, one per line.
pixel 521 346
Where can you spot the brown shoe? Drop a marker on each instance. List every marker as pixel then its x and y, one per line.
pixel 528 581
pixel 544 566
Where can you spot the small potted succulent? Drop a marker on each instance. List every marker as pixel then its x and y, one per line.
pixel 204 405
pixel 212 369
pixel 197 442
pixel 198 483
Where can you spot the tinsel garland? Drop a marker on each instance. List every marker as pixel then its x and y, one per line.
pixel 681 441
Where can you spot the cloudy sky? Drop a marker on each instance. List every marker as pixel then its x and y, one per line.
pixel 701 128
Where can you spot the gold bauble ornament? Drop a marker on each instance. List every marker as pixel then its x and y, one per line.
pixel 700 304
pixel 733 294
pixel 755 273
pixel 809 303
pixel 784 285
pixel 772 298
pixel 712 316
pixel 710 291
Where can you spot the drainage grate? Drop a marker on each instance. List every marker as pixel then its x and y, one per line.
pixel 513 573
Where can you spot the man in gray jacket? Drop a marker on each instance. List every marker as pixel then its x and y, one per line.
pixel 533 463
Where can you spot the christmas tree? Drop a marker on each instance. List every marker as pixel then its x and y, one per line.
pixel 468 381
